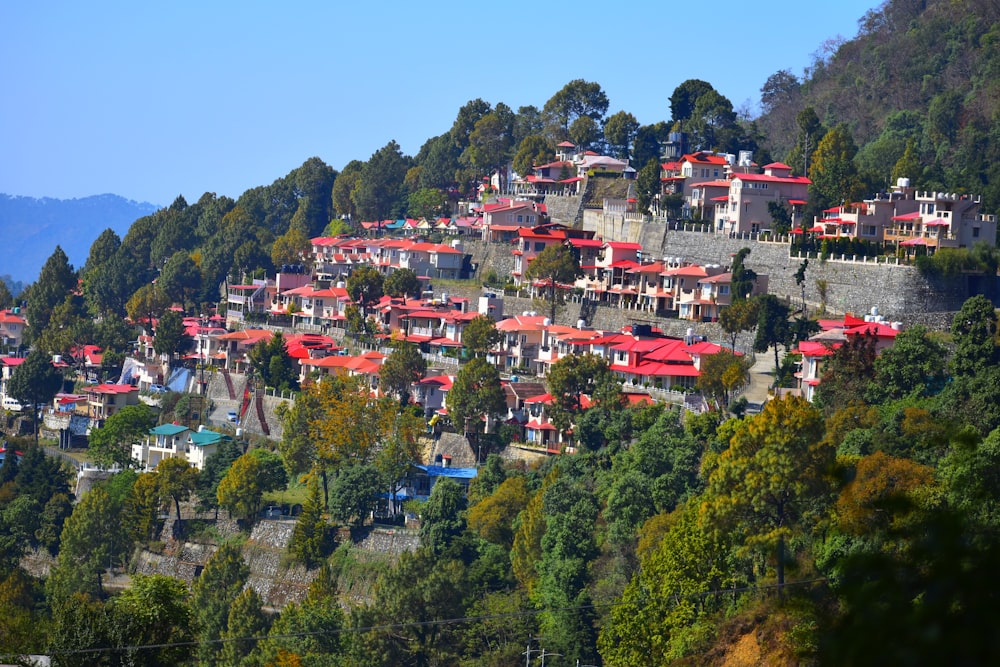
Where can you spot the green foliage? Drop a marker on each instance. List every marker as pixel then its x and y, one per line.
pixel 402 368
pixel 34 382
pixel 93 541
pixel 771 479
pixel 246 621
pixel 480 335
pixel 974 331
pixel 153 611
pixel 574 376
pixel 772 325
pixel 443 517
pixel 354 493
pixel 402 283
pixel 271 361
pixel 665 612
pixel 475 395
pixel 249 477
pixel 555 264
pixel 311 537
pixel 493 517
pixel 112 443
pixel 212 596
pixel 847 374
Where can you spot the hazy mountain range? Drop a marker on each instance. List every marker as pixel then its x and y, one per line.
pixel 32 228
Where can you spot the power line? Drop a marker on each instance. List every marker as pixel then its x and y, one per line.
pixel 417 624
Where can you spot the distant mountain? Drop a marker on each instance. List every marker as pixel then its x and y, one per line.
pixel 32 228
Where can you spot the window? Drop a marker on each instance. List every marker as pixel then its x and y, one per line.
pixel 975 232
pixel 868 230
pixel 723 290
pixel 520 218
pixel 539 246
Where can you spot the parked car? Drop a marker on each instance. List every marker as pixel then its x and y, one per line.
pixel 232 416
pixel 11 405
pixel 157 388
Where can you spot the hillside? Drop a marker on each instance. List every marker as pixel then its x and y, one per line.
pixel 919 72
pixel 33 227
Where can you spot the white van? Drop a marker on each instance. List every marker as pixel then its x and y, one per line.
pixel 11 405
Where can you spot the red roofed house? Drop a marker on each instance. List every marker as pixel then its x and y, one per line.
pixel 502 220
pixel 749 194
pixel 532 241
pixel 12 327
pixel 821 346
pixel 104 400
pixel 7 366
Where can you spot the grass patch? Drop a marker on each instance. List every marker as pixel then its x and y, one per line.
pixel 295 494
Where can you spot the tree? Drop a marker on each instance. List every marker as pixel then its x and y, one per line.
pixel 721 373
pixel 427 203
pixel 493 517
pixel 56 280
pixel 974 330
pixel 442 519
pixel 475 397
pixel 112 442
pixel 152 620
pixel 214 470
pixel 147 303
pixel 379 188
pixel 576 99
pixel 685 97
pixel 413 596
pixel 34 383
pixel 480 335
pixel 772 326
pixel 648 185
pixel 290 247
pixel 245 623
pixel 619 131
pixel 574 376
pixel 712 124
pixel 584 132
pixel 248 479
pixel 402 283
pixel 311 537
pixel 664 608
pixel 555 264
pixel 272 363
pixel 834 177
pixel 354 493
pixel 914 364
pixel 92 542
pixel 6 298
pixel 771 477
pixel 180 278
pixel 212 596
pixel 171 336
pixel 743 279
pixel 343 188
pixel 403 367
pixel 491 140
pixel 533 150
pixel 738 317
pixel 365 286
pixel 177 480
pixel 141 510
pixel 847 374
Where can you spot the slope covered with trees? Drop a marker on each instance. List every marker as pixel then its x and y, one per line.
pixel 916 94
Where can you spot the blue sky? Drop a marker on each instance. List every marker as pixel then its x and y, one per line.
pixel 152 100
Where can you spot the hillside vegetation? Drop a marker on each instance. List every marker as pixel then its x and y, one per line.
pixel 920 83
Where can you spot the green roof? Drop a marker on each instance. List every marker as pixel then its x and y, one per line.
pixel 205 438
pixel 168 429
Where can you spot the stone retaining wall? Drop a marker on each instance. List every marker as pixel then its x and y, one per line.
pixel 900 292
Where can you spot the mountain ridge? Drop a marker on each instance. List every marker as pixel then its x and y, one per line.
pixel 33 226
